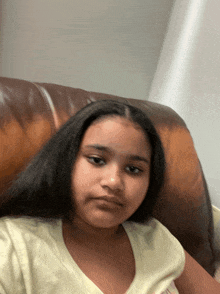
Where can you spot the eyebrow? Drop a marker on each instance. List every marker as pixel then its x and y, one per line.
pixel 109 150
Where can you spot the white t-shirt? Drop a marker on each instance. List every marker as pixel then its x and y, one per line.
pixel 35 260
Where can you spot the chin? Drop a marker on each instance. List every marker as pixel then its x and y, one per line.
pixel 104 219
pixel 106 223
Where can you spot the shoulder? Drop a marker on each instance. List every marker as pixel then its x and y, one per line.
pixel 22 236
pixel 15 227
pixel 24 243
pixel 153 236
pixel 153 232
pixel 23 221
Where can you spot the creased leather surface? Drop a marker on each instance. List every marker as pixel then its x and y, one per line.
pixel 30 113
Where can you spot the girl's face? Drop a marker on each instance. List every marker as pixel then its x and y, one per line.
pixel 111 174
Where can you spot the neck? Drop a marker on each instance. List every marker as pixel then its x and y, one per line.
pixel 82 231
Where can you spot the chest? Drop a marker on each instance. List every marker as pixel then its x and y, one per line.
pixel 111 267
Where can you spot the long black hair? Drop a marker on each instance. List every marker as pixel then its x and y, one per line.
pixel 43 189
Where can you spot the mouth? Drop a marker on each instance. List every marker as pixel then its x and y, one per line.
pixel 111 200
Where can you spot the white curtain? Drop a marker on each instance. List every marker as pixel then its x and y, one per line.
pixel 188 79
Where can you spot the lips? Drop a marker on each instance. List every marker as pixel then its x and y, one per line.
pixel 109 199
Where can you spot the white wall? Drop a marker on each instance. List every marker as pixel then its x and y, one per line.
pixel 107 46
pixel 188 79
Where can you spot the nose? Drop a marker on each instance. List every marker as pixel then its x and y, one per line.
pixel 112 178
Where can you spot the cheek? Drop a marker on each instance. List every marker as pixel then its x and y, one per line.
pixel 138 191
pixel 80 172
pixel 83 177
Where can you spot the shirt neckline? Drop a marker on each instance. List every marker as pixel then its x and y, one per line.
pixel 72 266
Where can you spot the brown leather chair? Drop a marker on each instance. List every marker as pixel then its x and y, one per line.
pixel 30 113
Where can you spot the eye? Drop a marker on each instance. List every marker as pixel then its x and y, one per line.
pixel 133 170
pixel 96 160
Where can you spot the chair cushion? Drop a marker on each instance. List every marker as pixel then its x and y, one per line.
pixel 32 112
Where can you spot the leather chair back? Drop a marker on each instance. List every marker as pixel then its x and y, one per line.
pixel 30 113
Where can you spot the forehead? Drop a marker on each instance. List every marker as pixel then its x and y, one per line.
pixel 119 134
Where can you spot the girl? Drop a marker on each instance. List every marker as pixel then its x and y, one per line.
pixel 78 219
